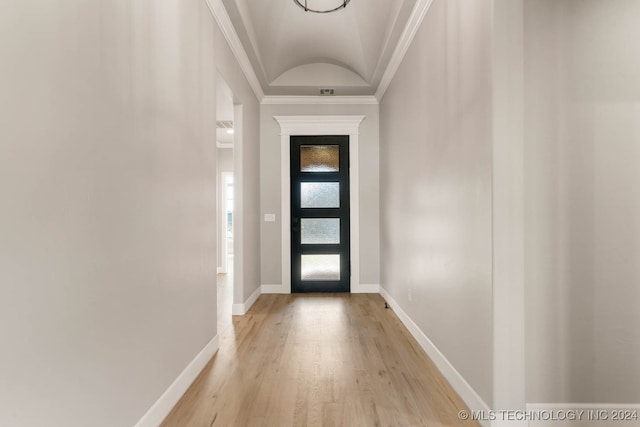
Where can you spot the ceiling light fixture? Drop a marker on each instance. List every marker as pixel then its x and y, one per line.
pixel 308 5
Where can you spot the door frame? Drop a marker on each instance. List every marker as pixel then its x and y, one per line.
pixel 319 125
pixel 341 212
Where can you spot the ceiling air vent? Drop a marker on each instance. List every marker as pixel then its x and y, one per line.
pixel 224 124
pixel 327 92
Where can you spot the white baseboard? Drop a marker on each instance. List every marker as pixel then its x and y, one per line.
pixel 457 381
pixel 365 289
pixel 274 289
pixel 241 309
pixel 159 411
pixel 583 414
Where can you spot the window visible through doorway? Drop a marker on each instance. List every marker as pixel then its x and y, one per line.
pixel 228 214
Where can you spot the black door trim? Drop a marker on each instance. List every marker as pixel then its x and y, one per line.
pixel 343 212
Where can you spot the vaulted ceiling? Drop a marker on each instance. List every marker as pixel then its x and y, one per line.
pixel 294 52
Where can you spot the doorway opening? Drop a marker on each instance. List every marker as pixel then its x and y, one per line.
pixel 226 150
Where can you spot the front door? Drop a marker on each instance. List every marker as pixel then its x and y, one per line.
pixel 320 214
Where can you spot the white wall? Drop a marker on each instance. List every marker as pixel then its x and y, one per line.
pixel 582 183
pixel 270 186
pixel 246 177
pixel 508 225
pixel 436 205
pixel 107 194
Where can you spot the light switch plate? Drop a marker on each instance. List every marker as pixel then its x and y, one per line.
pixel 269 217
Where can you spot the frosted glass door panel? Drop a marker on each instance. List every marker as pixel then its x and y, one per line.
pixel 319 194
pixel 320 267
pixel 319 158
pixel 319 231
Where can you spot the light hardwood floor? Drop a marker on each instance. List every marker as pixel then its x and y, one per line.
pixel 317 360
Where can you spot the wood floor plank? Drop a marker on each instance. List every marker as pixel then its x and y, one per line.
pixel 318 360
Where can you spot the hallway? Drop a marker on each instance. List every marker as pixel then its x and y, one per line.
pixel 312 360
pixel 493 194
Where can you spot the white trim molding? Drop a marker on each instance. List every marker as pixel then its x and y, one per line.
pixel 457 381
pixel 226 26
pixel 365 288
pixel 224 144
pixel 415 20
pixel 315 100
pixel 274 289
pixel 319 125
pixel 242 309
pixel 159 411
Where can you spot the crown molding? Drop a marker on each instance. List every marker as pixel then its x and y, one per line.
pixel 226 26
pixel 332 100
pixel 415 20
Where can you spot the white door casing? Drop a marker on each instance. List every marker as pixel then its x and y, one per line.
pixel 319 125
